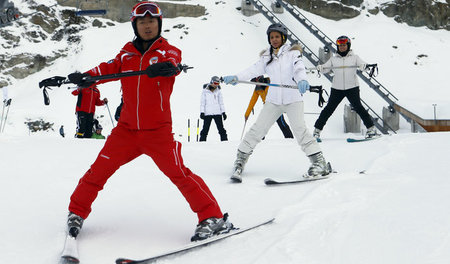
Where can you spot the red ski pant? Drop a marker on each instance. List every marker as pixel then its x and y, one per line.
pixel 124 145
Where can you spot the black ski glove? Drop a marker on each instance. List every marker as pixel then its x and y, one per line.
pixel 164 69
pixel 77 78
pixel 202 115
pixel 224 116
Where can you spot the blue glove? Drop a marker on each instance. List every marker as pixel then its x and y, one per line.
pixel 230 79
pixel 303 85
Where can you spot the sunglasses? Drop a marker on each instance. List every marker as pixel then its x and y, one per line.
pixel 141 10
pixel 342 41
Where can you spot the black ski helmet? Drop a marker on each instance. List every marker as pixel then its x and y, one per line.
pixel 344 40
pixel 215 80
pixel 278 28
pixel 341 41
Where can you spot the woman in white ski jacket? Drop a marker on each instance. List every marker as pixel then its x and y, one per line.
pixel 212 107
pixel 283 64
pixel 344 65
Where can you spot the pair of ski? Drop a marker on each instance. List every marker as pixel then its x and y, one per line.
pixel 354 140
pixel 271 181
pixel 237 178
pixel 70 252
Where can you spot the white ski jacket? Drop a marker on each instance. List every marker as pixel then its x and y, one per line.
pixel 286 68
pixel 344 78
pixel 211 103
pixel 5 93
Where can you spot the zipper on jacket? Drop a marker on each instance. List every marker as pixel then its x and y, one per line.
pixel 137 95
pixel 139 83
pixel 281 72
pixel 90 105
pixel 343 72
pixel 160 97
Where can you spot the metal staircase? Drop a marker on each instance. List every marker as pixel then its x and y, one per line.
pixel 371 81
pixel 314 59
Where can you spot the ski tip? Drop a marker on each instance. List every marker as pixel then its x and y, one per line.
pixel 69 260
pixel 124 261
pixel 236 179
pixel 269 181
pixel 351 140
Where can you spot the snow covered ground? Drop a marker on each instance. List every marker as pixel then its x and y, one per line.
pixel 388 203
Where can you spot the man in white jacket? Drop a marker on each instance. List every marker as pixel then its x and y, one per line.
pixel 344 65
pixel 283 64
pixel 212 107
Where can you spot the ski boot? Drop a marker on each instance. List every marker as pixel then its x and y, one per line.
pixel 371 132
pixel 74 224
pixel 212 226
pixel 316 134
pixel 239 163
pixel 319 167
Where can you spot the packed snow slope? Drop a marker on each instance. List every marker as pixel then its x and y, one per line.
pixel 387 203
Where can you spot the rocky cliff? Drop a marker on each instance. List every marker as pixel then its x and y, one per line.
pixel 40 25
pixel 433 14
pixel 59 27
pixel 119 10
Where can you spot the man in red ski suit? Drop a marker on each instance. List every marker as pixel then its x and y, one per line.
pixel 145 125
pixel 88 98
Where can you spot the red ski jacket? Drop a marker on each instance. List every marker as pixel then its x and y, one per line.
pixel 88 98
pixel 146 101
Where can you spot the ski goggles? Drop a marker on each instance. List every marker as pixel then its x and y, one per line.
pixel 150 8
pixel 343 41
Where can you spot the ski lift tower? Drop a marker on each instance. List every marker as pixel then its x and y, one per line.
pixel 91 8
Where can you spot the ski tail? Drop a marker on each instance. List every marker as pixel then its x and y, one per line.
pixel 70 251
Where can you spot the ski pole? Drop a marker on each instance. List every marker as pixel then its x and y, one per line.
pixel 189 130
pixel 6 117
pixel 370 68
pixel 110 116
pixel 198 127
pixel 312 87
pixel 352 66
pixel 3 111
pixel 269 84
pixel 59 80
pixel 243 129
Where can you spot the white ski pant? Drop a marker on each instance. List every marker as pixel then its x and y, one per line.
pixel 269 114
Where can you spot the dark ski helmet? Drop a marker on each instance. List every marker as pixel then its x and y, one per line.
pixel 342 40
pixel 215 80
pixel 142 9
pixel 278 28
